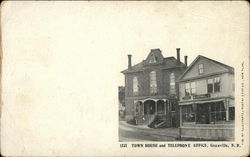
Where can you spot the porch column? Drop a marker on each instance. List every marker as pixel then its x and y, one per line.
pixel 227 110
pixel 165 112
pixel 135 103
pixel 167 105
pixel 155 107
pixel 195 111
pixel 142 107
pixel 180 116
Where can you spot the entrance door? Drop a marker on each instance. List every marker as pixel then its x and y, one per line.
pixel 203 113
pixel 149 107
pixel 173 121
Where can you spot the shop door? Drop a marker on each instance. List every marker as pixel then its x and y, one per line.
pixel 203 113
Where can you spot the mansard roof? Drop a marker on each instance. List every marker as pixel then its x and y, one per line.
pixel 166 63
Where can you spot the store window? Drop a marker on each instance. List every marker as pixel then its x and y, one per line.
pixel 218 112
pixel 188 113
pixel 231 113
pixel 153 83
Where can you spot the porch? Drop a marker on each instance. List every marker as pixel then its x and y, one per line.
pixel 156 112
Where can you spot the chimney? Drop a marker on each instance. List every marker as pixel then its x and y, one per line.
pixel 178 54
pixel 129 61
pixel 186 62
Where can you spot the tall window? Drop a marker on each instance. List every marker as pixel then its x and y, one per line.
pixel 190 89
pixel 216 84
pixel 213 85
pixel 153 83
pixel 193 88
pixel 200 68
pixel 172 83
pixel 187 89
pixel 135 85
pixel 210 86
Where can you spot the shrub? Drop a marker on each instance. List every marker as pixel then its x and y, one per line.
pixel 131 121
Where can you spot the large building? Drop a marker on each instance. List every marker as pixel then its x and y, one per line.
pixel 151 90
pixel 206 100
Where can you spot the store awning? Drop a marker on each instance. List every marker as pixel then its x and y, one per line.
pixel 200 102
pixel 208 101
pixel 186 103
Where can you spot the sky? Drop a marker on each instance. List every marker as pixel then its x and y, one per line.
pixel 62 62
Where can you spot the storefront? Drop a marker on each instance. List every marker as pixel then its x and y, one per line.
pixel 203 119
pixel 207 112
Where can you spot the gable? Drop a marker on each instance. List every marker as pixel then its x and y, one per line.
pixel 209 67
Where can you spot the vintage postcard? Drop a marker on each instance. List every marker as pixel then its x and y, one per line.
pixel 124 78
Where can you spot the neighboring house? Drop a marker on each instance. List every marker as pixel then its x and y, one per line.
pixel 206 100
pixel 121 97
pixel 151 89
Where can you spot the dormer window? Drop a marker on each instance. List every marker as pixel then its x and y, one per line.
pixel 152 59
pixel 200 68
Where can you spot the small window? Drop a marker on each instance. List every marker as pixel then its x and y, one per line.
pixel 210 85
pixel 201 68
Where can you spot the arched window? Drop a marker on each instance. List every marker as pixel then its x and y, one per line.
pixel 152 59
pixel 172 83
pixel 153 82
pixel 135 85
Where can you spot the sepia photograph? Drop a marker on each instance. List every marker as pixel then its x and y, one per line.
pixel 124 78
pixel 166 99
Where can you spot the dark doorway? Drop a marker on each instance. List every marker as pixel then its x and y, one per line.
pixel 202 114
pixel 160 107
pixel 149 107
pixel 173 121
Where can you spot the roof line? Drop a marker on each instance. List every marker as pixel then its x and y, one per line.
pixel 199 56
